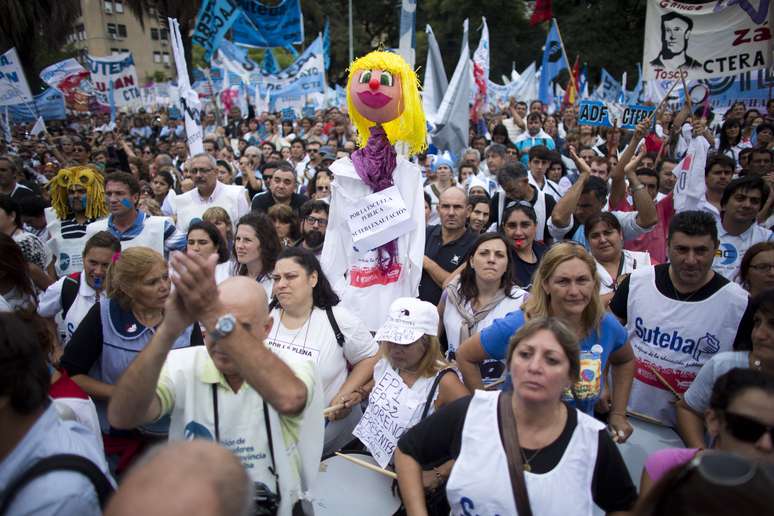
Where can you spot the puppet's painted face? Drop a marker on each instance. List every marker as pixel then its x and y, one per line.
pixel 377 95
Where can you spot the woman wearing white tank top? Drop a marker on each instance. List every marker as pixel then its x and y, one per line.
pixel 569 463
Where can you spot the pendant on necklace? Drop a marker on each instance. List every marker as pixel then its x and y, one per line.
pixel 527 467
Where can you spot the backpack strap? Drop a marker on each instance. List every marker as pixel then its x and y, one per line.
pixel 335 326
pixel 431 394
pixel 70 287
pixel 60 462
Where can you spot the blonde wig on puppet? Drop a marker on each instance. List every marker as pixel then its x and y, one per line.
pixel 86 177
pixel 410 126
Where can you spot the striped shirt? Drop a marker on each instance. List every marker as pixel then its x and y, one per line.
pixel 174 240
pixel 70 228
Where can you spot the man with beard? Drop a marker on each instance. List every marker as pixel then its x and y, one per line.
pixel 314 222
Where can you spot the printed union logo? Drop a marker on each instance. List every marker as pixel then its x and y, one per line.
pixel 727 254
pixel 64 261
pixel 194 430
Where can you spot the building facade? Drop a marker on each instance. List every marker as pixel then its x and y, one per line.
pixel 107 27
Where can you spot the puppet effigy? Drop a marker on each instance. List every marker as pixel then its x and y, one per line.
pixel 376 234
pixel 77 198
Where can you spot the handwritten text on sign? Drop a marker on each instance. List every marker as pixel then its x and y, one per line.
pixel 379 218
pixel 390 407
pixel 596 112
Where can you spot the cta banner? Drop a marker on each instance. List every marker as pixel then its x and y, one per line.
pixel 116 77
pixel 707 40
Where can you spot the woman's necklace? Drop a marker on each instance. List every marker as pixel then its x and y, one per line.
pixel 300 329
pixel 526 464
pixel 755 363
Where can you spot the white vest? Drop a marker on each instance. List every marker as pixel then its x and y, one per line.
pixel 675 338
pixel 452 320
pixel 480 483
pixel 68 252
pixel 152 234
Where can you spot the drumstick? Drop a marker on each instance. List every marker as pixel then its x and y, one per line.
pixel 333 408
pixel 377 469
pixel 649 419
pixel 666 383
pixel 494 384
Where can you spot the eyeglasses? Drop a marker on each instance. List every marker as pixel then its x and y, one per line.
pixel 762 267
pixel 323 189
pixel 314 221
pixel 196 171
pixel 315 151
pixel 746 428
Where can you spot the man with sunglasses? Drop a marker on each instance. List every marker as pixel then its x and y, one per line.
pixel 314 223
pixel 209 192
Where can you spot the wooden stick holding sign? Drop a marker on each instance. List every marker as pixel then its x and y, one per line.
pixel 666 97
pixel 666 383
pixel 367 465
pixel 333 408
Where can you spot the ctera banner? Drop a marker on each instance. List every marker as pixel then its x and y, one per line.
pixel 707 40
pixel 114 76
pixel 269 25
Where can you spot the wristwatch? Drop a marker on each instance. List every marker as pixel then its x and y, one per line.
pixel 223 327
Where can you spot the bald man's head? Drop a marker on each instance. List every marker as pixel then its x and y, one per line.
pixel 246 299
pixel 187 479
pixel 453 209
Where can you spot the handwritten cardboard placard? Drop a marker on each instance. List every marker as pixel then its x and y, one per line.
pixel 390 408
pixel 379 218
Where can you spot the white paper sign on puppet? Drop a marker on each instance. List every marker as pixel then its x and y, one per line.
pixel 390 408
pixel 379 218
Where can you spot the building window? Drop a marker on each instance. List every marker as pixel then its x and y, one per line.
pixel 157 57
pixel 125 50
pixel 155 34
pixel 80 32
pixel 121 30
pixel 166 57
pixel 164 33
pixel 114 51
pixel 118 5
pixel 111 29
pixel 108 6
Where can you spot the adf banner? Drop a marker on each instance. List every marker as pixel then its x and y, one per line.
pixel 121 72
pixel 708 40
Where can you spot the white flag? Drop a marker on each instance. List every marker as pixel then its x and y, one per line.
pixel 189 99
pixel 435 83
pixel 39 127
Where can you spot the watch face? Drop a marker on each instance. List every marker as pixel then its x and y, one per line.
pixel 226 325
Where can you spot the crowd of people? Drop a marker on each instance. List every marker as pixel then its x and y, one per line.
pixel 574 282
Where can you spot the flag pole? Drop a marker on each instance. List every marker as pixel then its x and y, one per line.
pixel 564 52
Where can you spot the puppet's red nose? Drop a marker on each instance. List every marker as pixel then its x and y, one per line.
pixel 373 83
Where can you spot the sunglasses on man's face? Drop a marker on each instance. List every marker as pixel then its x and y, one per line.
pixel 746 428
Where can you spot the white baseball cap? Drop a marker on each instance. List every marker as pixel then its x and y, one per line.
pixel 408 320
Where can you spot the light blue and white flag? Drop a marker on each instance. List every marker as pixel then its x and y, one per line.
pixel 407 41
pixel 13 83
pixel 553 63
pixel 50 105
pixel 270 64
pixel 215 18
pixel 189 99
pixel 326 35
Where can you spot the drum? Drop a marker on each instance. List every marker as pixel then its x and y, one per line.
pixel 648 437
pixel 346 488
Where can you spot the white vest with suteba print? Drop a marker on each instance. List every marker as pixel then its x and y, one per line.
pixel 672 339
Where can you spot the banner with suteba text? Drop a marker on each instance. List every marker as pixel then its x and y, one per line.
pixel 706 40
pixel 122 73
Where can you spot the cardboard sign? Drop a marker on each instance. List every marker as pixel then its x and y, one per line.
pixel 598 113
pixel 379 218
pixel 390 408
